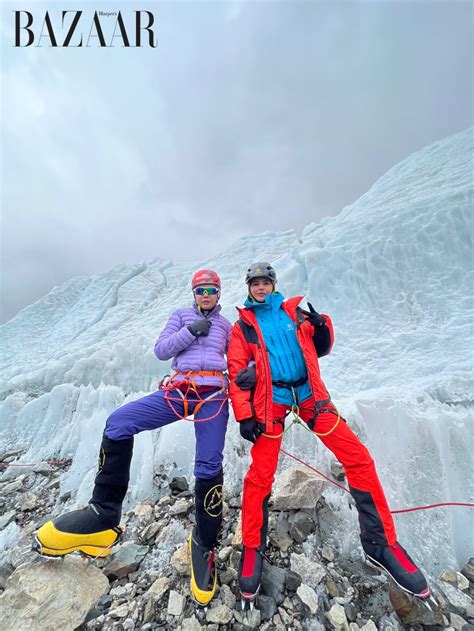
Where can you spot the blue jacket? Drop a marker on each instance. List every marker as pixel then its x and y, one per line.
pixel 284 352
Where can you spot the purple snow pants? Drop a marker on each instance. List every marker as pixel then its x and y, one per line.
pixel 153 411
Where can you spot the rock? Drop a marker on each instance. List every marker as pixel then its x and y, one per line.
pixel 350 610
pixel 285 617
pixel 369 626
pixel 220 614
pixel 311 572
pixel 411 611
pixel 300 526
pixel 125 559
pixel 118 591
pixel 42 596
pixel 44 468
pixel 297 488
pixel 104 602
pixel 150 531
pixel 158 589
pixel 462 582
pixel 12 487
pixel 327 553
pixel 333 589
pixel 181 507
pixel 6 569
pixel 308 597
pixel 29 501
pixel 337 617
pixel 144 512
pixel 448 576
pixel 224 553
pixel 237 538
pixel 273 582
pixel 235 502
pixel 461 602
pixel 267 606
pixel 6 519
pixel 227 597
pixel 292 580
pixel 468 570
pixel 179 484
pixel 119 612
pixel 227 576
pixel 54 484
pixel 148 611
pixel 128 624
pixel 456 622
pixel 8 456
pixel 180 560
pixel 175 604
pixel 337 471
pixel 281 536
pixel 191 624
pixel 253 618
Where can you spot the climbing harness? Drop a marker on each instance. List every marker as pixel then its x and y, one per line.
pixel 319 407
pixel 185 386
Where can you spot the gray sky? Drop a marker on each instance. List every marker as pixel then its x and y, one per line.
pixel 248 116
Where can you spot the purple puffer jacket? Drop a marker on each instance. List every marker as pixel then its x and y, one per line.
pixel 195 353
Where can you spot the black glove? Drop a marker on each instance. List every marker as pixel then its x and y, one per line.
pixel 246 378
pixel 250 429
pixel 313 316
pixel 200 327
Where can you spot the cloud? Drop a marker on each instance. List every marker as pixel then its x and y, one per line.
pixel 248 116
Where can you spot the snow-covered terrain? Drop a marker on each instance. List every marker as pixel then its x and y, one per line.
pixel 394 271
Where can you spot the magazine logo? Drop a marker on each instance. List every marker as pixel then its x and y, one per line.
pixel 74 29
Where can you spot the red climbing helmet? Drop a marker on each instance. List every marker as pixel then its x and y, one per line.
pixel 206 277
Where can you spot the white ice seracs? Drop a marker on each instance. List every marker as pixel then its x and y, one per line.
pixel 394 271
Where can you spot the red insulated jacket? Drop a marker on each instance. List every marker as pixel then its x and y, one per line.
pixel 247 344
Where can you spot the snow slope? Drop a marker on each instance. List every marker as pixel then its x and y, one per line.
pixel 394 270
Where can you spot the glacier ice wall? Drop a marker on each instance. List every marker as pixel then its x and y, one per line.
pixel 394 270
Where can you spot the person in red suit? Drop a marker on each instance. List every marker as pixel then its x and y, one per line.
pixel 273 362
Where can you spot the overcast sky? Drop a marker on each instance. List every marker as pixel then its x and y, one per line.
pixel 247 116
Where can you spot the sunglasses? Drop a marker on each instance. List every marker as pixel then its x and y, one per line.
pixel 206 291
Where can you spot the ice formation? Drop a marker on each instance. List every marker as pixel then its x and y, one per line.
pixel 394 271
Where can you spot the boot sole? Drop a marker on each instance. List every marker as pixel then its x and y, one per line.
pixel 201 597
pixel 248 597
pixel 94 552
pixel 424 595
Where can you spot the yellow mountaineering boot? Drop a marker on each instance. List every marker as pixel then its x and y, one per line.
pixel 95 529
pixel 77 531
pixel 203 539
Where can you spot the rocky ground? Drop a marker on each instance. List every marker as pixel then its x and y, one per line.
pixel 144 583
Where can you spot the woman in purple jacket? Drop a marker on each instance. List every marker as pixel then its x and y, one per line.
pixel 197 339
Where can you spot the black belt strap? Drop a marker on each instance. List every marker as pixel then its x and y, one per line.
pixel 290 384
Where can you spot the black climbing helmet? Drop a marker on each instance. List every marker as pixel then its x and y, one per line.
pixel 260 270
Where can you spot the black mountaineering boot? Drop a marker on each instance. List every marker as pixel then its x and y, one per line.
pixel 95 529
pixel 203 539
pixel 395 562
pixel 392 559
pixel 251 563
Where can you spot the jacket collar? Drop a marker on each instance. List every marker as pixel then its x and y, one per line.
pixel 248 315
pixel 217 309
pixel 272 301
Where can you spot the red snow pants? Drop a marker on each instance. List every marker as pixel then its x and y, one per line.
pixel 375 519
